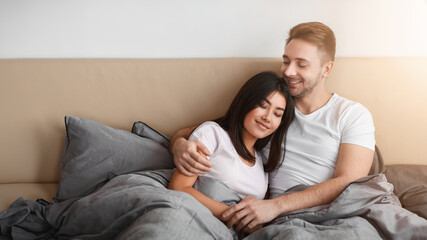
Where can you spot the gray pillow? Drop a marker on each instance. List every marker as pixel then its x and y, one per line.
pixel 143 130
pixel 94 153
pixel 410 185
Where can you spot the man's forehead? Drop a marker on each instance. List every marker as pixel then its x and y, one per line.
pixel 301 50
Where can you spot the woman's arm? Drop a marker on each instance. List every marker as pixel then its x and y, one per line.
pixel 183 183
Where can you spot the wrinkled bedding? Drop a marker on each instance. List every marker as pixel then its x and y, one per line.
pixel 366 209
pixel 139 206
pixel 129 206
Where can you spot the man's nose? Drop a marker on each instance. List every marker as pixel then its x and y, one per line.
pixel 289 70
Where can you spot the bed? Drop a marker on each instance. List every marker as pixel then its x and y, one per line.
pixel 84 152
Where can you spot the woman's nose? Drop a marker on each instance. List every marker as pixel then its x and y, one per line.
pixel 266 117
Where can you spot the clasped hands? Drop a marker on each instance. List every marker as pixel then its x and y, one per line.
pixel 250 214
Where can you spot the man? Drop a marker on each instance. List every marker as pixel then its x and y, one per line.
pixel 329 144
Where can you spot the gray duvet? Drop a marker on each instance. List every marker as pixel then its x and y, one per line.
pixel 366 209
pixel 139 206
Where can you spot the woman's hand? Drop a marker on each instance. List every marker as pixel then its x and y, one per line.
pixel 250 213
pixel 190 156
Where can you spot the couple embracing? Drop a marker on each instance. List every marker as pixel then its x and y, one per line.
pixel 280 132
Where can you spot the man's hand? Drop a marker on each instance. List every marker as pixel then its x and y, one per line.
pixel 190 157
pixel 250 213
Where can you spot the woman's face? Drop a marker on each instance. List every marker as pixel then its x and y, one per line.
pixel 264 119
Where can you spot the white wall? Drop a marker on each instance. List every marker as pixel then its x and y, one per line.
pixel 196 28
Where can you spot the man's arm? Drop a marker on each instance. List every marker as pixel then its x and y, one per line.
pixel 186 154
pixel 353 162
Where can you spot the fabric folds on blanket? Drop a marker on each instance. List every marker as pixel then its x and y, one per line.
pixel 135 206
pixel 24 219
pixel 366 209
pixel 139 206
pixel 130 206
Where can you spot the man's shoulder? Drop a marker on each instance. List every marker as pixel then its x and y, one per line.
pixel 339 100
pixel 352 114
pixel 344 105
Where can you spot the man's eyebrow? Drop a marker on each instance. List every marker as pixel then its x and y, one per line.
pixel 300 59
pixel 266 100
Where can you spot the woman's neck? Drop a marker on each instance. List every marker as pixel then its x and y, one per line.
pixel 249 141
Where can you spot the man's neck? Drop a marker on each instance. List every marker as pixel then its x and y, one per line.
pixel 312 102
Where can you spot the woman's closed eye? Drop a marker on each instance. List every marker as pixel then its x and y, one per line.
pixel 262 105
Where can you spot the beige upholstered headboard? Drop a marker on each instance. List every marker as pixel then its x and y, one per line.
pixel 36 94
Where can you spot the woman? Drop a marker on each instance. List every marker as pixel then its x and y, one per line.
pixel 261 111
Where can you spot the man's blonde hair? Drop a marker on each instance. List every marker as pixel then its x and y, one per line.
pixel 316 33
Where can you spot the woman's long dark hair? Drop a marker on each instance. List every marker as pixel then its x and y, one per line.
pixel 250 95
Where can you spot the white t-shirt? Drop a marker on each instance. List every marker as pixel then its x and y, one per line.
pixel 226 164
pixel 313 142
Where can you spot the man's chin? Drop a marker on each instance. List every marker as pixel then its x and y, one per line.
pixel 296 94
pixel 301 93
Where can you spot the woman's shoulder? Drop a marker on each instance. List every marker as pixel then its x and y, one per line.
pixel 211 134
pixel 209 127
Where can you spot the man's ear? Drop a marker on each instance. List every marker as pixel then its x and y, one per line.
pixel 327 69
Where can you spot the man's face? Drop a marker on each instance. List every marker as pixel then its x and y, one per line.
pixel 302 67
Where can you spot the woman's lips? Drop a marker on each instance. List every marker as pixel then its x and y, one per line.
pixel 262 125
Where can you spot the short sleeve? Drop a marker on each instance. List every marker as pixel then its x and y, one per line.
pixel 209 133
pixel 358 127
